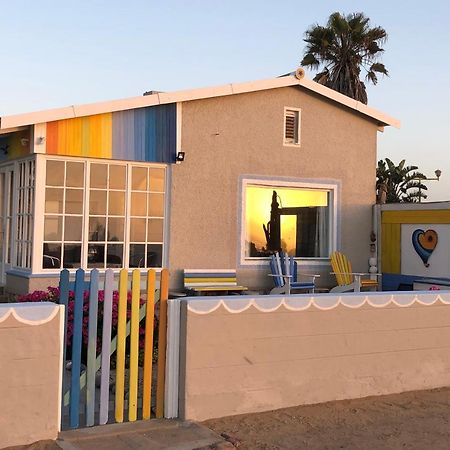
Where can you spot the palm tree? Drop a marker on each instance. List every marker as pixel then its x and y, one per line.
pixel 399 183
pixel 344 46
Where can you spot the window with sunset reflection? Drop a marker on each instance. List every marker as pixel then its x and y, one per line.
pixel 293 219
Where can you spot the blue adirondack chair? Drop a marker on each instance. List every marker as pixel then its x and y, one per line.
pixel 284 273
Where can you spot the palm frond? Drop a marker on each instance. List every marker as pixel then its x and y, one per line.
pixel 341 49
pixel 404 183
pixel 378 67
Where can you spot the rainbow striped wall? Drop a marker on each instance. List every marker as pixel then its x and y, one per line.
pixel 11 145
pixel 144 134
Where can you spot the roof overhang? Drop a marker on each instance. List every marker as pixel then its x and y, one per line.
pixel 162 98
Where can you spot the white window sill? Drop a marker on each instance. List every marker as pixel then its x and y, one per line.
pixel 302 262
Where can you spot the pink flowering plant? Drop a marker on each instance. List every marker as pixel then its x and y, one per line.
pixel 52 295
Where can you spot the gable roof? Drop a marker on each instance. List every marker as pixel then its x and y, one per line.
pixel 161 98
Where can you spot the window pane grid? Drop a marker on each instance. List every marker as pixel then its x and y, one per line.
pixel 143 250
pixel 24 208
pixel 64 212
pixel 119 222
pixel 106 242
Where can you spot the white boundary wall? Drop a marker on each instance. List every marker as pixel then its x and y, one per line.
pixel 248 354
pixel 31 344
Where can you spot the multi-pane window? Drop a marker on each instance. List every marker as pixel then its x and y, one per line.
pixel 64 209
pixel 295 219
pixel 146 217
pixel 107 198
pixel 25 202
pixel 115 220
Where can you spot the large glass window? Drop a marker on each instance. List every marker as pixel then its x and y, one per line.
pixel 294 219
pixel 101 215
pixel 107 194
pixel 146 217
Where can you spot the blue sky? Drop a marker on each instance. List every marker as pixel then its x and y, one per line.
pixel 56 53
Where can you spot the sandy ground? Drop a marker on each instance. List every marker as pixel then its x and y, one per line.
pixel 41 445
pixel 413 420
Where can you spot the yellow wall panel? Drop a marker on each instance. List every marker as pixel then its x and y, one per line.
pixel 86 126
pixel 107 135
pixel 416 216
pixel 74 130
pixel 390 247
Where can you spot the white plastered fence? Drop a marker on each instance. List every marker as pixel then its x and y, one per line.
pixel 234 355
pixel 31 336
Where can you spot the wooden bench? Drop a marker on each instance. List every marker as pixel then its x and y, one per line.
pixel 204 282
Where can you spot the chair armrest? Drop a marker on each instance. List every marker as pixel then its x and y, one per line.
pixel 314 275
pixel 284 276
pixel 355 273
pixel 361 274
pixel 53 259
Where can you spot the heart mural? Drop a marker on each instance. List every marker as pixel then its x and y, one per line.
pixel 424 243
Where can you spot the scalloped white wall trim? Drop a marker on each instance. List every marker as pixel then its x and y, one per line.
pixel 29 313
pixel 266 303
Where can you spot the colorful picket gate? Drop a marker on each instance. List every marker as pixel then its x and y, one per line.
pixel 83 383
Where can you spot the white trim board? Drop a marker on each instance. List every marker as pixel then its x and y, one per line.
pixel 162 98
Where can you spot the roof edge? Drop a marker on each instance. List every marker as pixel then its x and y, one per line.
pixel 161 98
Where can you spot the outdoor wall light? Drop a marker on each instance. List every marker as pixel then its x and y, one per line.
pixel 40 140
pixel 180 156
pixel 438 174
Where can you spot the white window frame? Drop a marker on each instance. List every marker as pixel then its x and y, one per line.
pixel 40 177
pixel 15 239
pixel 299 111
pixel 23 212
pixel 333 187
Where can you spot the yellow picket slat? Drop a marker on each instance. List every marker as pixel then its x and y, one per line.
pixel 134 345
pixel 164 295
pixel 148 349
pixel 121 336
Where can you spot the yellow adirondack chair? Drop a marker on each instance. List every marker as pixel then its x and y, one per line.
pixel 346 279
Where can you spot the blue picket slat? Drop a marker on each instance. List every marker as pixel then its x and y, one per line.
pixel 64 300
pixel 92 346
pixel 106 346
pixel 72 285
pixel 74 408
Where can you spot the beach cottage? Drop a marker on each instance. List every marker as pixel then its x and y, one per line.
pixel 188 180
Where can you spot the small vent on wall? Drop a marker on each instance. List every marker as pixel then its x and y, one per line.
pixel 291 127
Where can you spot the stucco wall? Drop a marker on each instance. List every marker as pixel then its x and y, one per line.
pixel 227 137
pixel 21 285
pixel 256 360
pixel 30 372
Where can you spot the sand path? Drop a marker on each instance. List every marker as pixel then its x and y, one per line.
pixel 412 420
